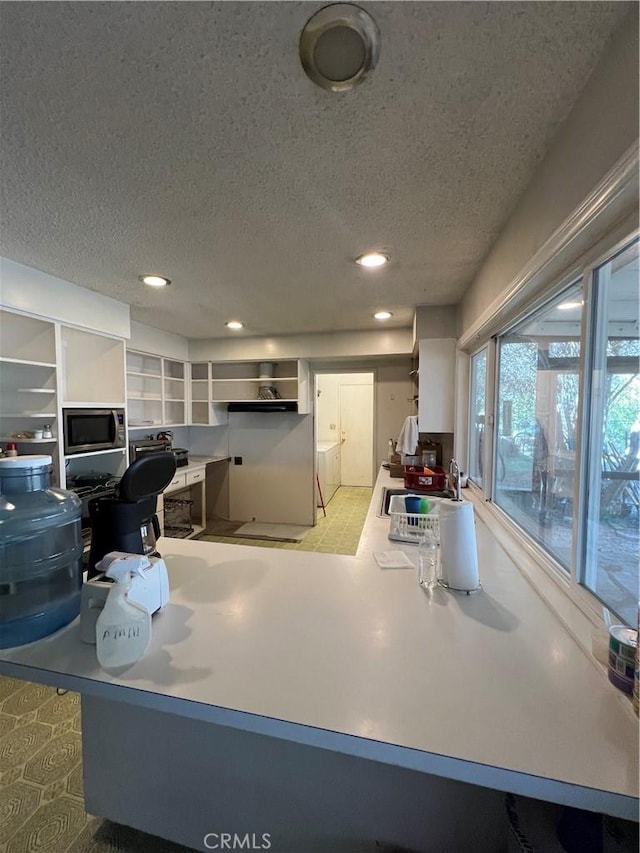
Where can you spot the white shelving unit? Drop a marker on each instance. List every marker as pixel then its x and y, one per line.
pixel 156 391
pixel 203 410
pixel 28 382
pixel 239 382
pixel 46 366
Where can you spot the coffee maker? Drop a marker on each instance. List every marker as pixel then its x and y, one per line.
pixel 127 521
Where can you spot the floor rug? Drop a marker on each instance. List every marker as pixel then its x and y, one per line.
pixel 278 532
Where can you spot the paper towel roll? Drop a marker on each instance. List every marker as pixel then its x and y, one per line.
pixel 458 549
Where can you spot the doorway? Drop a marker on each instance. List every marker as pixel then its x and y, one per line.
pixel 344 418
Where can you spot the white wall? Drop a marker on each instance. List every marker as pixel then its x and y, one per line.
pixel 338 345
pixel 599 130
pixel 394 403
pixel 157 342
pixel 435 321
pixel 34 292
pixel 275 482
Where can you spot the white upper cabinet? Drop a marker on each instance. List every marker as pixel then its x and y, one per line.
pixel 204 412
pixel 92 368
pixel 247 381
pixel 437 365
pixel 156 390
pixel 28 381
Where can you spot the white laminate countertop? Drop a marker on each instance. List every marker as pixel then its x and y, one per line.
pixel 196 462
pixel 335 652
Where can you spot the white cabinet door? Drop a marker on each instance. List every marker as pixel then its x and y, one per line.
pixel 437 384
pixel 93 367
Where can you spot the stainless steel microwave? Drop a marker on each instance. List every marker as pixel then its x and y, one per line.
pixel 85 430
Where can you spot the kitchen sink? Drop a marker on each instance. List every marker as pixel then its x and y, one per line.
pixel 388 493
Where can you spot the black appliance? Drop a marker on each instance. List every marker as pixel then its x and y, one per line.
pixel 93 484
pixel 127 521
pixel 264 406
pixel 182 456
pixel 85 430
pixel 139 447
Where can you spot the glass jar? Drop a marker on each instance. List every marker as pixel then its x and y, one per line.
pixel 40 551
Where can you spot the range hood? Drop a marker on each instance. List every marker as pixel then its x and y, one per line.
pixel 264 406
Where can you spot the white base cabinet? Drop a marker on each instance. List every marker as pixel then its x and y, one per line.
pixel 328 464
pixel 188 484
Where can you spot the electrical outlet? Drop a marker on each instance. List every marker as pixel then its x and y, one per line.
pixel 237 460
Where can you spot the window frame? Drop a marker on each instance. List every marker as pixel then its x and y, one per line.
pixel 583 270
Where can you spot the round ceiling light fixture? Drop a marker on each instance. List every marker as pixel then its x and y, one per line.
pixel 383 315
pixel 373 259
pixel 234 324
pixel 339 46
pixel 155 280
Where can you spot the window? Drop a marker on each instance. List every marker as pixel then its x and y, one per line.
pixel 609 562
pixel 537 408
pixel 565 458
pixel 477 415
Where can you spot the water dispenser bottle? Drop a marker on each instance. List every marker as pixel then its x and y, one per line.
pixel 40 552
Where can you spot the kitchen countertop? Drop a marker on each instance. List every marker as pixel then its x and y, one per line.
pixel 196 462
pixel 334 652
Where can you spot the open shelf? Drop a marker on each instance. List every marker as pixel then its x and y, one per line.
pixel 29 440
pixel 94 453
pixel 26 362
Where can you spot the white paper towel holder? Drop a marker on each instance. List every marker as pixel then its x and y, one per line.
pixel 441 581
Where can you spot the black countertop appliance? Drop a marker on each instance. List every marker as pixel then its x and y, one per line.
pixel 182 456
pixel 127 521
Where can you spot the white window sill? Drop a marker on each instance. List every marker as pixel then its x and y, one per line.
pixel 576 609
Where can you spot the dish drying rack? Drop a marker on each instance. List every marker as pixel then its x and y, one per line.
pixel 411 526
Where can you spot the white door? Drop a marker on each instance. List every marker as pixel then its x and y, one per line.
pixel 356 435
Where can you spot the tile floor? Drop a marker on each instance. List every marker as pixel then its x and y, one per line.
pixel 338 533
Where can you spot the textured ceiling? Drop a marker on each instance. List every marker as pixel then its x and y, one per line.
pixel 185 139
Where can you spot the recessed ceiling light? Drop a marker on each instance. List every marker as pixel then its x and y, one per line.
pixel 154 280
pixel 383 315
pixel 234 324
pixel 373 259
pixel 567 306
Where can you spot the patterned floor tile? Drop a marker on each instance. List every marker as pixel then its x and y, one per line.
pixel 346 511
pixel 75 784
pixel 51 828
pixel 9 686
pixel 59 708
pixel 21 743
pixel 26 699
pixel 55 760
pixel 103 836
pixel 7 723
pixel 17 802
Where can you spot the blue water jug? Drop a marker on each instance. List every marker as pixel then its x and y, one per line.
pixel 40 552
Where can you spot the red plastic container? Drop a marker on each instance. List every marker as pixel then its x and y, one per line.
pixel 415 478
